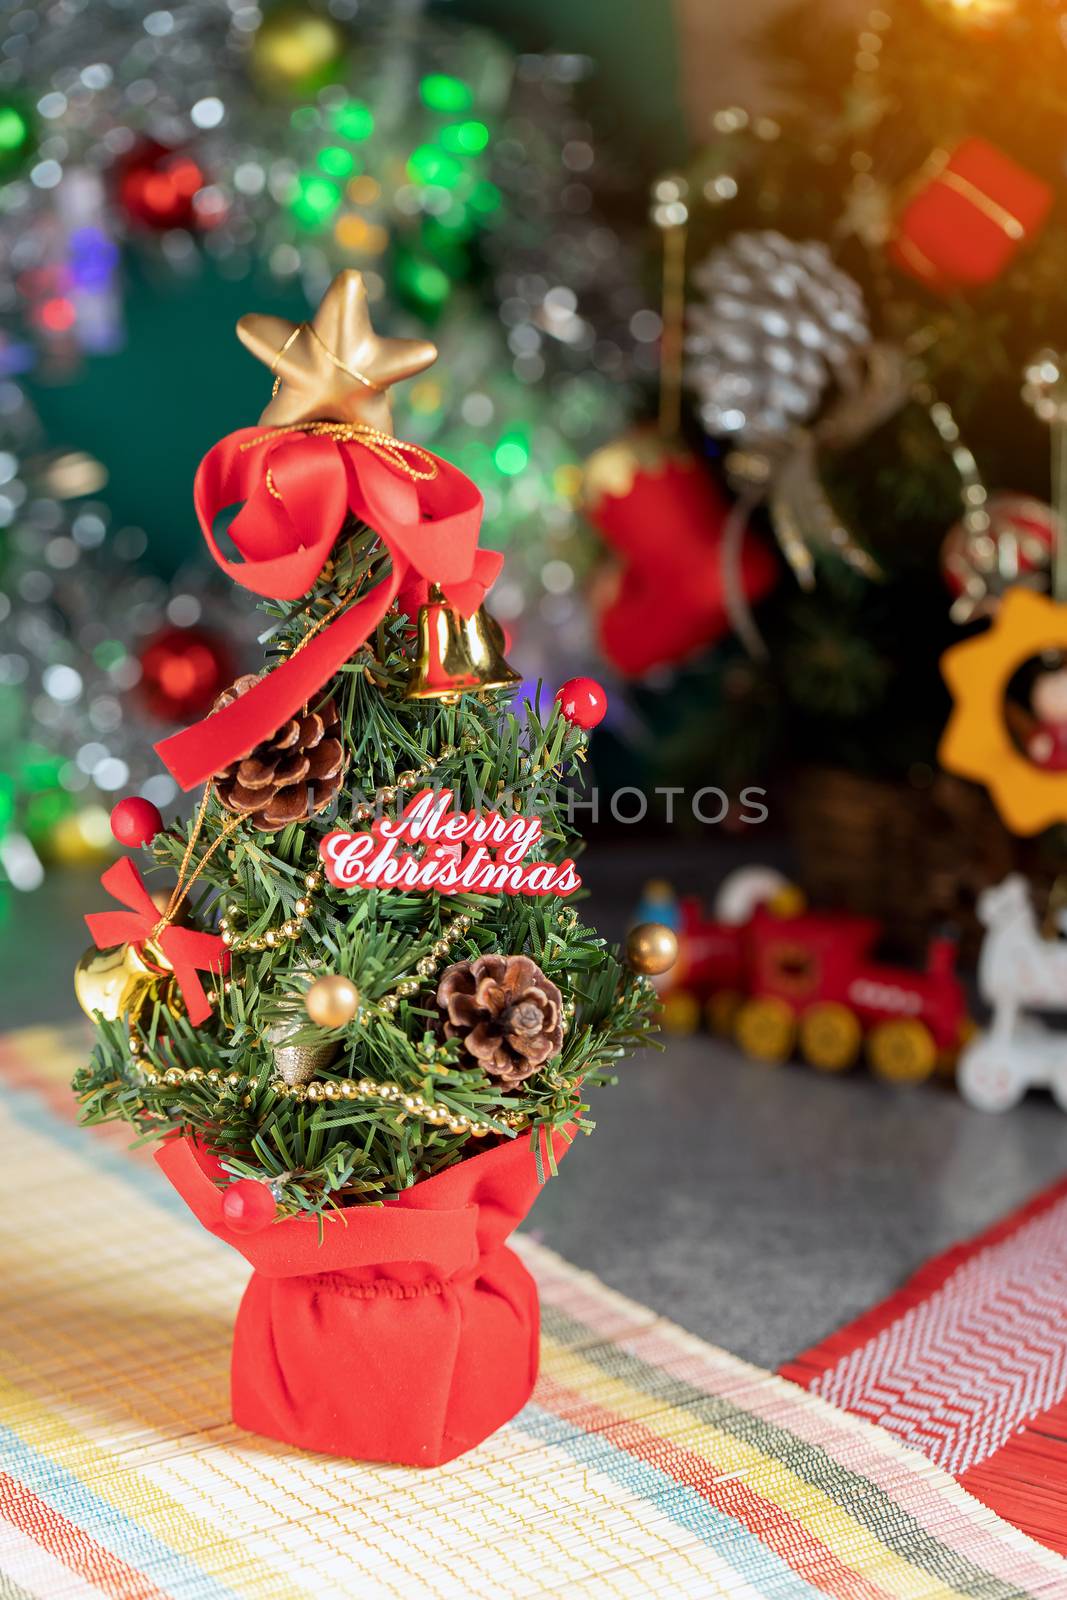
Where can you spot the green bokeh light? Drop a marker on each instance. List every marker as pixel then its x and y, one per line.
pixel 353 121
pixel 512 453
pixel 422 282
pixel 314 200
pixel 14 129
pixel 336 161
pixel 449 229
pixel 485 198
pixel 305 117
pixel 37 766
pixel 109 653
pixel 43 811
pixel 430 164
pixel 465 138
pixel 442 93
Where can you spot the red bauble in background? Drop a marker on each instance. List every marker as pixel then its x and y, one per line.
pixel 183 670
pixel 248 1206
pixel 135 821
pixel 583 702
pixel 663 514
pixel 158 188
pixel 1015 546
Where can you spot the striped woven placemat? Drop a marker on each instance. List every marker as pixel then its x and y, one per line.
pixel 968 1363
pixel 648 1463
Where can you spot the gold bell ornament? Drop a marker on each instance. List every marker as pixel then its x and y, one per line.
pixel 297 1063
pixel 120 981
pixel 456 654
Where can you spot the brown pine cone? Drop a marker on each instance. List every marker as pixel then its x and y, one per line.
pixel 508 1014
pixel 291 775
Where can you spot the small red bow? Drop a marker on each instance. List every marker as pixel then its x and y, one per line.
pixel 188 951
pixel 297 488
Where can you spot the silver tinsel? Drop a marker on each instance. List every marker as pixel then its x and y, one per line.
pixel 778 327
pixel 96 79
pixel 77 606
pixel 569 281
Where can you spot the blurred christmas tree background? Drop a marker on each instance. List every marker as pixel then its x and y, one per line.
pixel 924 148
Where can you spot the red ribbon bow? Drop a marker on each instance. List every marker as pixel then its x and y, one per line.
pixel 188 951
pixel 298 487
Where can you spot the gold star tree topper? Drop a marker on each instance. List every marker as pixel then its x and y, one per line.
pixel 334 368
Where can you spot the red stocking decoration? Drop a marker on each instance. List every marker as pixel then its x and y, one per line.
pixel 662 512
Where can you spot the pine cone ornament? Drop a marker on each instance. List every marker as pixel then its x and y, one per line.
pixel 507 1013
pixel 291 775
pixel 779 323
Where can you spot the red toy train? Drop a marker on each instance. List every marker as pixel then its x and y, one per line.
pixel 778 978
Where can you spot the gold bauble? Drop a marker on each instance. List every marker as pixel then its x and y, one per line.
pixel 81 838
pixel 332 1001
pixel 651 948
pixel 117 982
pixel 297 49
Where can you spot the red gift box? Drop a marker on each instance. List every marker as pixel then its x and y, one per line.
pixel 408 1333
pixel 966 223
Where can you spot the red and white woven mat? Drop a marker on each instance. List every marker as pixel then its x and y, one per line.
pixel 968 1363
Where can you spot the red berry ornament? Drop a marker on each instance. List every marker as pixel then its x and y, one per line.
pixel 135 821
pixel 248 1206
pixel 583 702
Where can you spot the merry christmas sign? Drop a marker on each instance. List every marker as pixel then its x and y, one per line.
pixel 433 846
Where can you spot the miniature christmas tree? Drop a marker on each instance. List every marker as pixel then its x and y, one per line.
pixel 368 973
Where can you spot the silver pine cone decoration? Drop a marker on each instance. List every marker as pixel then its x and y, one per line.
pixel 779 325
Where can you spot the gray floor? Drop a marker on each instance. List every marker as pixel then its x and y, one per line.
pixel 758 1207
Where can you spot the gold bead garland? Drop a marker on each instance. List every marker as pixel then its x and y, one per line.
pixel 177 1077
pixel 388 1003
pixel 291 928
pixel 391 1094
pixel 405 781
pixel 413 1105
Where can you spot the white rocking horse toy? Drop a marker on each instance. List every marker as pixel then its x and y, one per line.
pixel 1017 970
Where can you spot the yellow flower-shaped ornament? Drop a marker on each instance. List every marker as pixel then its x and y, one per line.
pixel 977 742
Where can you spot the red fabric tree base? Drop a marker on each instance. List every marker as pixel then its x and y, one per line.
pixel 408 1335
